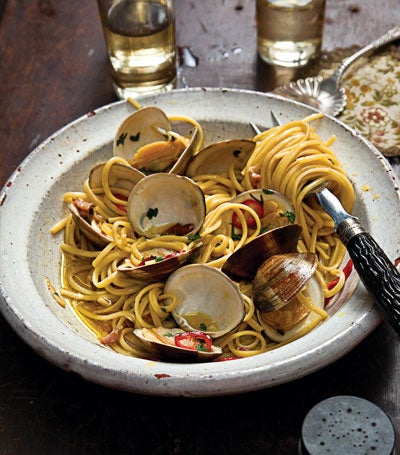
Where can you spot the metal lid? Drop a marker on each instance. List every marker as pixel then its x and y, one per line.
pixel 346 424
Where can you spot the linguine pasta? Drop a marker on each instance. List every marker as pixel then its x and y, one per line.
pixel 290 159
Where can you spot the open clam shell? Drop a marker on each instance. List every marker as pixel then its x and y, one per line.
pixel 166 204
pixel 217 158
pixel 161 341
pixel 120 176
pixel 289 321
pixel 207 300
pixel 244 262
pixel 89 228
pixel 159 269
pixel 280 277
pixel 146 141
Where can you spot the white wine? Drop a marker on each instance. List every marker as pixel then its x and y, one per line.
pixel 140 37
pixel 289 31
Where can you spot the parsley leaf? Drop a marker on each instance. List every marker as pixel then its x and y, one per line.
pixel 289 215
pixel 152 213
pixel 135 138
pixel 121 139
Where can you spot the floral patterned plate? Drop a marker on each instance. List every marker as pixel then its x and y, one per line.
pixel 373 98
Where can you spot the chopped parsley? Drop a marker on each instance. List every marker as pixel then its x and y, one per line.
pixel 266 191
pixel 121 139
pixel 194 237
pixel 233 235
pixel 135 138
pixel 152 213
pixel 261 200
pixel 203 326
pixel 289 215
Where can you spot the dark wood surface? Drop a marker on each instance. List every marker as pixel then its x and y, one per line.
pixel 53 69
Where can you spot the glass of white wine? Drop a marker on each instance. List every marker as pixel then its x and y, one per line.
pixel 140 39
pixel 289 31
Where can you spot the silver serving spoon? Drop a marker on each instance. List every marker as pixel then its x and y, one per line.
pixel 326 94
pixel 379 276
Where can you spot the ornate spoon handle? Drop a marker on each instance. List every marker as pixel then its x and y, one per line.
pixel 375 269
pixel 388 37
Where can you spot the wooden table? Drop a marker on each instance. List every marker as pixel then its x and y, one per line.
pixel 53 69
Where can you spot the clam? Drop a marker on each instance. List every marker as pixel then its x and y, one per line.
pixel 164 203
pixel 244 262
pixel 176 344
pixel 289 321
pixel 217 158
pixel 146 141
pixel 121 177
pixel 88 222
pixel 207 300
pixel 280 277
pixel 158 263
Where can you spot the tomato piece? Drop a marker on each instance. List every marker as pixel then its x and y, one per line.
pixel 346 270
pixel 195 341
pixel 123 198
pixel 250 220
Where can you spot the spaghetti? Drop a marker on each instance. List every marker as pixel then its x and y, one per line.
pixel 290 159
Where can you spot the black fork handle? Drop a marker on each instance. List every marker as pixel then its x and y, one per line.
pixel 376 271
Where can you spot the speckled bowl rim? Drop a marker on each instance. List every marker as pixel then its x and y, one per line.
pixel 30 203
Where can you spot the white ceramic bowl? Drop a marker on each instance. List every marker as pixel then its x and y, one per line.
pixel 31 202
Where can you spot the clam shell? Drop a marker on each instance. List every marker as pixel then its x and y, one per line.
pixel 217 158
pixel 280 278
pixel 244 262
pixel 159 271
pixel 315 292
pixel 146 125
pixel 149 125
pixel 159 340
pixel 159 202
pixel 120 176
pixel 182 163
pixel 91 231
pixel 207 300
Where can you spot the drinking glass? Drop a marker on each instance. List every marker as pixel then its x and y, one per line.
pixel 289 31
pixel 140 40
